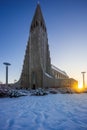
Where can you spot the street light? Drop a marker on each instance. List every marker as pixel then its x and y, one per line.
pixel 83 73
pixel 6 64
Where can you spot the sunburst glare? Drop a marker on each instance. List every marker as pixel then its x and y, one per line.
pixel 80 85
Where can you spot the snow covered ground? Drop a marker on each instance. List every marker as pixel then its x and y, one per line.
pixel 50 112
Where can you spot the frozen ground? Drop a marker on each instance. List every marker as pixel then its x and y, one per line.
pixel 50 112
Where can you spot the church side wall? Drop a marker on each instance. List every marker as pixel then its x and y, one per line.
pixel 52 82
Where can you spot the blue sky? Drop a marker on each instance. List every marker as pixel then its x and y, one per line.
pixel 66 22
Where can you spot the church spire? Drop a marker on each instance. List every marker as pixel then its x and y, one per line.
pixel 38 19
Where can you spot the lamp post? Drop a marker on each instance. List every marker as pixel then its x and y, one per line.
pixel 6 64
pixel 83 73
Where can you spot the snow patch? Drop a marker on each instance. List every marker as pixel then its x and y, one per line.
pixel 51 112
pixel 48 75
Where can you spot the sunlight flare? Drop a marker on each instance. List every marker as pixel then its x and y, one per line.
pixel 80 86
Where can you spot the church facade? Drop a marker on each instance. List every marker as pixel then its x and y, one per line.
pixel 37 71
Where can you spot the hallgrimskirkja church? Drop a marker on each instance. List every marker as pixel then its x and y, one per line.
pixel 37 71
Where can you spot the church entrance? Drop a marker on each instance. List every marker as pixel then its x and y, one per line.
pixel 33 80
pixel 33 87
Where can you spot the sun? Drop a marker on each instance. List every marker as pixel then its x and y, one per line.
pixel 80 86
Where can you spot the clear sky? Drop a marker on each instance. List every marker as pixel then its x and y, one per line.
pixel 66 22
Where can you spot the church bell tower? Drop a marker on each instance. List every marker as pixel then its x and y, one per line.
pixel 37 56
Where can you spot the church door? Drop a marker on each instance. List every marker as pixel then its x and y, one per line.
pixel 33 80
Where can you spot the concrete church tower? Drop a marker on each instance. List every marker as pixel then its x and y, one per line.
pixel 37 70
pixel 37 56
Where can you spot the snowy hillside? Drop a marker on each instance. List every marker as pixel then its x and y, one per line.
pixel 50 112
